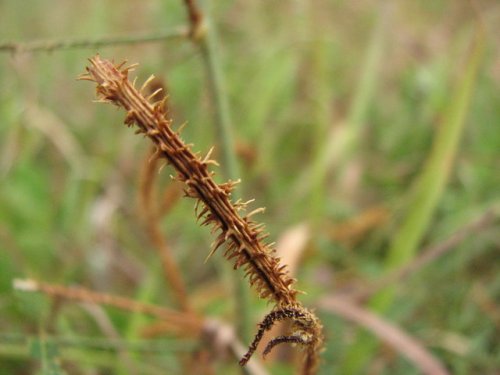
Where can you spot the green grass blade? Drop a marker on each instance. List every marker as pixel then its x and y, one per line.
pixel 47 352
pixel 365 92
pixel 428 189
pixel 431 183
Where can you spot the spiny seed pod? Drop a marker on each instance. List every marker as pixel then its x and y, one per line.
pixel 243 238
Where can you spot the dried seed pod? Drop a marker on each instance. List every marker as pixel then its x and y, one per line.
pixel 242 236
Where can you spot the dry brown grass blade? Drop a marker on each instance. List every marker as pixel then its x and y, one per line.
pixel 242 237
pixel 353 230
pixel 183 320
pixel 181 323
pixel 395 337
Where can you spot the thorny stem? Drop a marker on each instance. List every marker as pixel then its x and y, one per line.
pixel 242 236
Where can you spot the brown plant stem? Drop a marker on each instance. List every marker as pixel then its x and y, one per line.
pixel 244 238
pixel 181 319
pixel 182 323
pixel 169 197
pixel 195 19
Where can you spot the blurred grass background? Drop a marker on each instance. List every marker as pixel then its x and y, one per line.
pixel 375 123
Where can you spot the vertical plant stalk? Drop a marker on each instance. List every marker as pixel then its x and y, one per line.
pixel 243 238
pixel 202 33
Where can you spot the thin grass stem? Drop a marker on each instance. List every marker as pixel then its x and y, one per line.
pixel 105 41
pixel 203 33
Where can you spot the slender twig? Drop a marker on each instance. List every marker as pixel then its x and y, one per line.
pixel 203 34
pixel 184 323
pixel 182 319
pixel 168 198
pixel 99 343
pixel 105 41
pixel 195 18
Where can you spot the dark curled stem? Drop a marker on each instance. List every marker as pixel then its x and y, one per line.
pixel 294 339
pixel 266 324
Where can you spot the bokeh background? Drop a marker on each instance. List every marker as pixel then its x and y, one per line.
pixel 368 129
